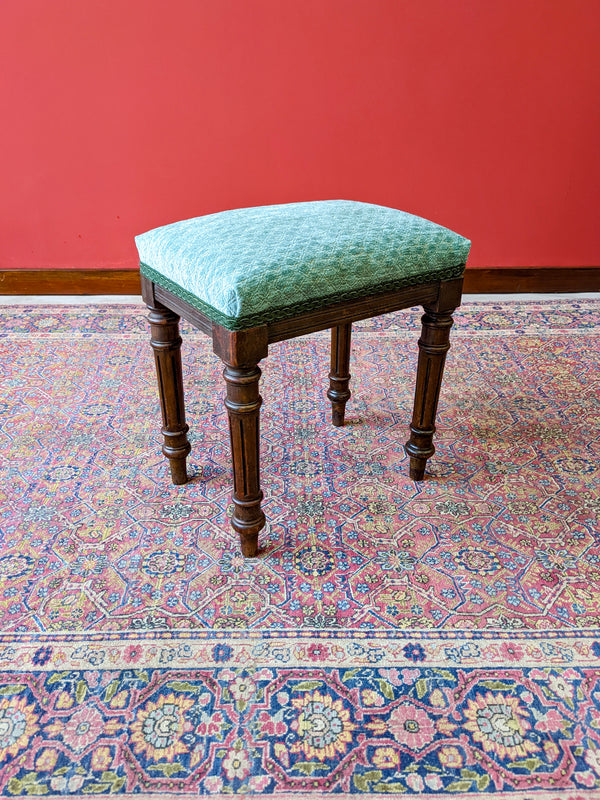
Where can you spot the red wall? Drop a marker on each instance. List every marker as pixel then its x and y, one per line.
pixel 120 115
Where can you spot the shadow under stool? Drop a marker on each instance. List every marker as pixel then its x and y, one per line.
pixel 253 276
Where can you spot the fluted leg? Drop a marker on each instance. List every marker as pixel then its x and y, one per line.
pixel 166 343
pixel 433 346
pixel 339 377
pixel 243 404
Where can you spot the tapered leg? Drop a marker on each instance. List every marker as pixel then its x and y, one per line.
pixel 339 377
pixel 243 404
pixel 433 346
pixel 166 344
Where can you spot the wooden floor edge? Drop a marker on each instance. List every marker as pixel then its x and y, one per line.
pixel 499 280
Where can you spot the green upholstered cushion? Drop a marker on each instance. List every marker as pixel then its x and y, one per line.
pixel 251 266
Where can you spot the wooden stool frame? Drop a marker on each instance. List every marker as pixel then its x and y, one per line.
pixel 241 351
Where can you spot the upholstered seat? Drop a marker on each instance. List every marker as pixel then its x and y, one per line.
pixel 252 266
pixel 253 276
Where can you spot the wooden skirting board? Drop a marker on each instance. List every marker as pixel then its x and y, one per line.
pixel 501 280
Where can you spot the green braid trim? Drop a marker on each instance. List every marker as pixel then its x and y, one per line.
pixel 287 312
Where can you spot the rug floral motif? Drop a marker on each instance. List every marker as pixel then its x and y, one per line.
pixel 432 639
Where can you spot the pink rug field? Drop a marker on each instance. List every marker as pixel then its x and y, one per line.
pixel 439 639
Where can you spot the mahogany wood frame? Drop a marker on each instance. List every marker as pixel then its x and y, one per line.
pixel 241 351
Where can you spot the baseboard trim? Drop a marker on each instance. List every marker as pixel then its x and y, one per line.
pixel 508 280
pixel 69 281
pixel 501 280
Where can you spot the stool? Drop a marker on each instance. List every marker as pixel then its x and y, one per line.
pixel 253 276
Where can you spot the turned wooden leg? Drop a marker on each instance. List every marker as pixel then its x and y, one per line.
pixel 339 377
pixel 166 344
pixel 243 404
pixel 433 346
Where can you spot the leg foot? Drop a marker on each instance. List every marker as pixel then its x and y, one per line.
pixel 166 343
pixel 417 468
pixel 433 346
pixel 339 377
pixel 243 403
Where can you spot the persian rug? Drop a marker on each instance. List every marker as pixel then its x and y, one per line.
pixel 439 639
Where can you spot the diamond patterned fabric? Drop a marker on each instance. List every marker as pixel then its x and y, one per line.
pixel 251 266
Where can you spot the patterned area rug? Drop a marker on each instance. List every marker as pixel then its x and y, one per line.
pixel 433 639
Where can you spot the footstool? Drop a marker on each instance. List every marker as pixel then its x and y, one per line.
pixel 253 276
